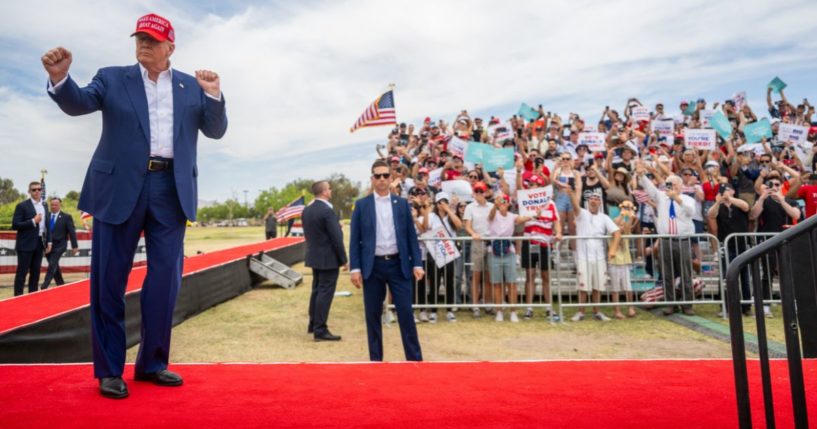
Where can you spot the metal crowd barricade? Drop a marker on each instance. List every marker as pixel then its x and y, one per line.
pixel 737 243
pixel 458 285
pixel 691 261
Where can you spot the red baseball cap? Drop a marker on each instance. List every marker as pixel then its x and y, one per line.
pixel 480 185
pixel 532 178
pixel 155 26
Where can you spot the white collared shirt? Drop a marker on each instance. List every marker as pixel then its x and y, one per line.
pixel 160 111
pixel 38 207
pixel 386 236
pixel 683 211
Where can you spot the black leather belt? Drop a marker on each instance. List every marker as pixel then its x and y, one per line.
pixel 158 164
pixel 388 257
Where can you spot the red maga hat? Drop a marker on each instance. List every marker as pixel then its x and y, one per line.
pixel 155 26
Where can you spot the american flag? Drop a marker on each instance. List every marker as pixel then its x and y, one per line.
pixel 641 197
pixel 380 112
pixel 290 211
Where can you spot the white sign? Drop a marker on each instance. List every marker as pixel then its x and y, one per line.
pixel 460 188
pixel 456 147
pixel 640 113
pixel 706 116
pixel 435 177
pixel 700 139
pixel 665 128
pixel 590 128
pixel 534 199
pixel 594 141
pixel 792 133
pixel 740 100
pixel 441 250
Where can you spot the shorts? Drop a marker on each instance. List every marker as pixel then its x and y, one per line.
pixel 620 278
pixel 592 275
pixel 540 259
pixel 478 255
pixel 503 268
pixel 563 202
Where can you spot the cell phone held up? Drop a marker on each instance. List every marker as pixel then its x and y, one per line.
pixel 721 189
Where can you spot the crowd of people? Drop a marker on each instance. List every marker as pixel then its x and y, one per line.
pixel 642 180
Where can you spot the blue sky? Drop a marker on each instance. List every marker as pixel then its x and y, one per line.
pixel 297 75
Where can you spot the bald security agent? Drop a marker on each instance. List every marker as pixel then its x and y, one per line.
pixel 142 177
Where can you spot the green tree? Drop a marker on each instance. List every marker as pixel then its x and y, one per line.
pixel 344 193
pixel 7 192
pixel 72 195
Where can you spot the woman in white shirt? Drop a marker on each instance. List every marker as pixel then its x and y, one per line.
pixel 502 266
pixel 442 216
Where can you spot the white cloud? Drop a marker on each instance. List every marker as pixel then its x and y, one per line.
pixel 297 75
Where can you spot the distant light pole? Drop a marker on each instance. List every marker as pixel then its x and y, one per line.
pixel 245 198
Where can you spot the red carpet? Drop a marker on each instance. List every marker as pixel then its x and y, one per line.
pixel 30 308
pixel 553 394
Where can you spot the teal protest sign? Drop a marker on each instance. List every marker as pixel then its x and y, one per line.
pixel 498 158
pixel 721 124
pixel 474 152
pixel 527 112
pixel 756 131
pixel 777 85
pixel 691 108
pixel 490 157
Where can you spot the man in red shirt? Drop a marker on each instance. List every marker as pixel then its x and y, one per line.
pixel 805 187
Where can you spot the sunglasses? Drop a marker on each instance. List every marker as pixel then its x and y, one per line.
pixel 381 176
pixel 764 162
pixel 687 174
pixel 36 189
pixel 774 184
pixel 479 191
pixel 473 177
pixel 565 159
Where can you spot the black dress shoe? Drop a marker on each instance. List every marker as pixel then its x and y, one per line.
pixel 327 336
pixel 309 330
pixel 113 387
pixel 161 378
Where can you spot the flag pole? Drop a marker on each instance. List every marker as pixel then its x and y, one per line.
pixel 391 88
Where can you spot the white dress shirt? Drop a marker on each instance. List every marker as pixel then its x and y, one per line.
pixel 160 112
pixel 38 207
pixel 683 211
pixel 386 236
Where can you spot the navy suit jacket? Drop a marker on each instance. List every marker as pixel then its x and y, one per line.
pixel 119 165
pixel 324 238
pixel 63 231
pixel 28 234
pixel 364 233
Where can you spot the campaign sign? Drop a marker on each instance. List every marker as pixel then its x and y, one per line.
pixel 664 128
pixel 435 177
pixel 496 158
pixel 700 139
pixel 594 141
pixel 459 188
pixel 756 131
pixel 721 124
pixel 456 147
pixel 442 251
pixel 691 108
pixel 640 113
pixel 527 112
pixel 474 152
pixel 590 128
pixel 792 133
pixel 777 85
pixel 534 199
pixel 706 118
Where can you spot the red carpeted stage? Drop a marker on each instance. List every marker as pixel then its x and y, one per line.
pixel 53 325
pixel 553 394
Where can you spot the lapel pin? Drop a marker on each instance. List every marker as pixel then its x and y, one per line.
pixel 181 85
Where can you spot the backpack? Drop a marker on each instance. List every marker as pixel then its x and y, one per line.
pixel 501 247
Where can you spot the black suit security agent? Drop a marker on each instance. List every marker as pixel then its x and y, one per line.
pixel 61 227
pixel 325 254
pixel 33 239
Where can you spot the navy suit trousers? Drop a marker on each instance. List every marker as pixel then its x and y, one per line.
pixel 374 293
pixel 159 214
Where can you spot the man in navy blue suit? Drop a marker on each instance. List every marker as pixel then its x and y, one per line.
pixel 384 250
pixel 33 239
pixel 142 177
pixel 61 227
